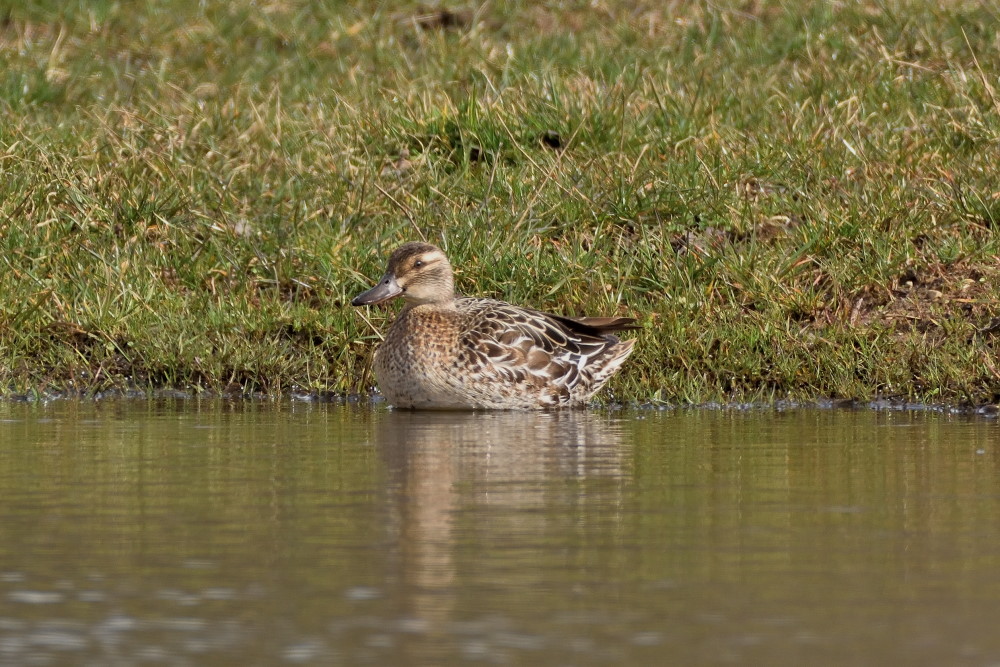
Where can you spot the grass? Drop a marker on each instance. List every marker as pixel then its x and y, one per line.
pixel 797 200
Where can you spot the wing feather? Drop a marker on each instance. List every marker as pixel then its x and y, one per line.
pixel 520 345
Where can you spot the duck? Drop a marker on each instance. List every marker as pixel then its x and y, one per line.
pixel 451 352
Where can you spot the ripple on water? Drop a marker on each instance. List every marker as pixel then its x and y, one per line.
pixel 110 628
pixel 35 597
pixel 306 650
pixel 362 593
pixel 59 636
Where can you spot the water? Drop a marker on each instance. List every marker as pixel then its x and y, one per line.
pixel 189 533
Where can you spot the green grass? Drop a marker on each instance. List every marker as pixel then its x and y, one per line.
pixel 797 200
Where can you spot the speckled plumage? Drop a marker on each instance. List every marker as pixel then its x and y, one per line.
pixel 448 352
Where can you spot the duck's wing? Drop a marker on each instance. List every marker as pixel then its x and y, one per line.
pixel 540 349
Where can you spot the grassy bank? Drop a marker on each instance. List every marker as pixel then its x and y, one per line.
pixel 795 200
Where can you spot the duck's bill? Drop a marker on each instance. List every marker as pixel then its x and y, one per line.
pixel 386 289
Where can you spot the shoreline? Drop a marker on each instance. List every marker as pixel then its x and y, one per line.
pixel 376 401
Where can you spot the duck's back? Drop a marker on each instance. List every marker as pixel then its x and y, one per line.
pixel 483 353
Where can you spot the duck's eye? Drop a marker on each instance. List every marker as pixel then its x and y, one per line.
pixel 417 264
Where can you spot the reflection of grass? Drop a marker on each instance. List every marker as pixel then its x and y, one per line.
pixel 795 204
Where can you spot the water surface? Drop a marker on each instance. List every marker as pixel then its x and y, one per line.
pixel 250 533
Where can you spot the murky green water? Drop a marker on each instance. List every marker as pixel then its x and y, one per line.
pixel 219 533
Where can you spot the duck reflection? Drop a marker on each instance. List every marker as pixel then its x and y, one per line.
pixel 462 485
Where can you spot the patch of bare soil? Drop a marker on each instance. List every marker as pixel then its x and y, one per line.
pixel 924 298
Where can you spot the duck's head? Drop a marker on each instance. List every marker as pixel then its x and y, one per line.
pixel 418 272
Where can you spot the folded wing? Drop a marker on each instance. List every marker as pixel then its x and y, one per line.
pixel 564 358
